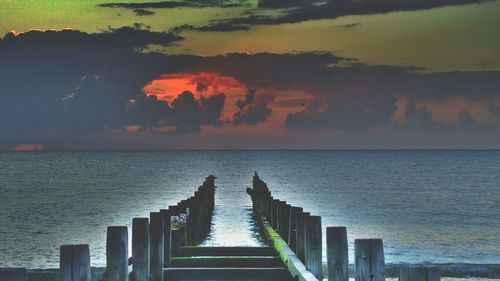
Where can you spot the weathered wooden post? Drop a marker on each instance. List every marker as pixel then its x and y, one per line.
pixel 140 249
pixel 313 246
pixel 13 274
pixel 432 273
pixel 292 234
pixel 156 249
pixel 301 238
pixel 167 241
pixel 74 263
pixel 369 260
pixel 337 253
pixel 117 253
pixel 286 222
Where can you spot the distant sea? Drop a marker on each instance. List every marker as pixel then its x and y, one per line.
pixel 428 206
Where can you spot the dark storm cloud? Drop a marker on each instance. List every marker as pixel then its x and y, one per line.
pixel 222 27
pixel 124 37
pixel 58 85
pixel 254 109
pixel 302 10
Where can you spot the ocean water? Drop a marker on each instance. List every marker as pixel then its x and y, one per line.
pixel 428 206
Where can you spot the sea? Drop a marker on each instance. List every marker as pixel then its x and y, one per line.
pixel 428 206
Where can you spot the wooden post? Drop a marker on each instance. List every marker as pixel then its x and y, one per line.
pixel 314 246
pixel 13 274
pixel 166 237
pixel 292 234
pixel 286 223
pixel 74 263
pixel 432 273
pixel 337 253
pixel 140 249
pixel 276 206
pixel 117 253
pixel 156 249
pixel 369 260
pixel 301 238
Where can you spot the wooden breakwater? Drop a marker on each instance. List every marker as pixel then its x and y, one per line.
pixel 297 236
pixel 164 247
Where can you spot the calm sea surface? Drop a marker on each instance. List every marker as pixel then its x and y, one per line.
pixel 434 206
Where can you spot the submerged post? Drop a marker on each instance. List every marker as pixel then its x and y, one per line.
pixel 117 253
pixel 313 246
pixel 337 253
pixel 140 249
pixel 74 263
pixel 156 249
pixel 369 260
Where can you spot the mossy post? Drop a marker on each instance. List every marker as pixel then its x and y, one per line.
pixel 300 245
pixel 74 263
pixel 140 249
pixel 292 234
pixel 156 249
pixel 117 253
pixel 313 246
pixel 337 253
pixel 369 260
pixel 167 240
pixel 14 274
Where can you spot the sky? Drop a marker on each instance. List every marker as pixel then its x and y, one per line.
pixel 249 74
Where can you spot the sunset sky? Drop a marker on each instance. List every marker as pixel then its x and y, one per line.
pixel 228 74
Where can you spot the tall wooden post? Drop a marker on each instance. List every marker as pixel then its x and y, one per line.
pixel 369 260
pixel 74 263
pixel 292 234
pixel 337 253
pixel 167 241
pixel 419 273
pixel 301 238
pixel 140 249
pixel 117 253
pixel 156 249
pixel 313 246
pixel 276 206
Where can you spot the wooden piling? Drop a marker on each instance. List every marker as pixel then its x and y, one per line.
pixel 369 260
pixel 117 253
pixel 13 274
pixel 432 273
pixel 156 248
pixel 140 249
pixel 276 206
pixel 286 209
pixel 292 234
pixel 337 253
pixel 313 246
pixel 74 263
pixel 300 236
pixel 167 240
pixel 419 273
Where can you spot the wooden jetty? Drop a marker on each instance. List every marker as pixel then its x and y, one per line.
pixel 165 247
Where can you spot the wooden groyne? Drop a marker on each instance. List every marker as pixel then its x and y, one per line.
pixel 297 236
pixel 165 247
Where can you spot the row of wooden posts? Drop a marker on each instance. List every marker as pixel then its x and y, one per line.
pixel 303 234
pixel 154 241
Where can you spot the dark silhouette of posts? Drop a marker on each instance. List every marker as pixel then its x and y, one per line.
pixel 369 260
pixel 117 253
pixel 300 236
pixel 74 263
pixel 276 206
pixel 337 253
pixel 156 246
pixel 140 249
pixel 313 246
pixel 13 274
